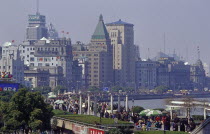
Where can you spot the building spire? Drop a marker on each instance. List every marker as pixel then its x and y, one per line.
pixel 100 31
pixel 198 49
pixel 37 6
pixel 101 17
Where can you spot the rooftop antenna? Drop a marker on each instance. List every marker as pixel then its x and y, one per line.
pixel 187 53
pixel 198 50
pixel 37 6
pixel 148 53
pixel 164 43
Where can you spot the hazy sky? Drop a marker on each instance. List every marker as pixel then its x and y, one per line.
pixel 186 23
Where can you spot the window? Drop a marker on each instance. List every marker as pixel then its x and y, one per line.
pixel 32 64
pixel 31 59
pixel 39 64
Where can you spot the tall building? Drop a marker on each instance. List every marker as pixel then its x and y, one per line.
pixel 36 27
pixel 52 32
pixel 197 75
pixel 11 62
pixel 146 74
pixel 122 40
pixel 54 56
pixel 77 75
pixel 173 74
pixel 99 57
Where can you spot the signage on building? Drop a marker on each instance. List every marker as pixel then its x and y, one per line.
pixel 79 129
pixel 9 86
pixel 95 131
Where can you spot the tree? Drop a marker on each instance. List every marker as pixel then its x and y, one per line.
pixel 161 89
pixel 27 110
pixel 137 109
pixel 117 88
pixel 59 88
pixel 93 89
pixel 43 90
pixel 6 95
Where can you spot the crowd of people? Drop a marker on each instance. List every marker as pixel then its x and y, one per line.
pixel 163 122
pixel 144 123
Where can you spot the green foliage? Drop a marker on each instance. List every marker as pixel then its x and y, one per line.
pixel 27 110
pixel 161 89
pixel 159 132
pixel 90 119
pixel 59 88
pixel 198 117
pixel 123 89
pixel 93 89
pixel 43 90
pixel 121 130
pixel 114 131
pixel 137 109
pixel 116 88
pixel 6 95
pixel 59 112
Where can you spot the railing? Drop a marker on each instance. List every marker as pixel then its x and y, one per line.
pixel 202 125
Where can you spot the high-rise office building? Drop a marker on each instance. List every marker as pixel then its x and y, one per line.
pixel 36 27
pixel 122 40
pixel 99 57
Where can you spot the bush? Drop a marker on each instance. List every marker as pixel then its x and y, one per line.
pixel 137 109
pixel 198 117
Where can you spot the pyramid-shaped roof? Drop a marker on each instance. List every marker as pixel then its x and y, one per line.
pixel 100 31
pixel 120 22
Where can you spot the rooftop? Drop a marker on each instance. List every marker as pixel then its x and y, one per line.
pixel 100 31
pixel 119 22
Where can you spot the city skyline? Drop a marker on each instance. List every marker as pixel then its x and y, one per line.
pixel 185 23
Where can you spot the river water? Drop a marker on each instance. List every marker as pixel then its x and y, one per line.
pixel 161 103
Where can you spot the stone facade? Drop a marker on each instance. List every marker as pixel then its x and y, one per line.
pixel 37 77
pixel 197 75
pixel 54 56
pixel 11 62
pixel 146 74
pixel 122 40
pixel 98 56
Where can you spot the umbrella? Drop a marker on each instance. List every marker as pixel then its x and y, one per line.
pixel 144 112
pixel 59 101
pixel 52 96
pixel 153 113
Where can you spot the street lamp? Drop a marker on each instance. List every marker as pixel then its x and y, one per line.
pixel 133 102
